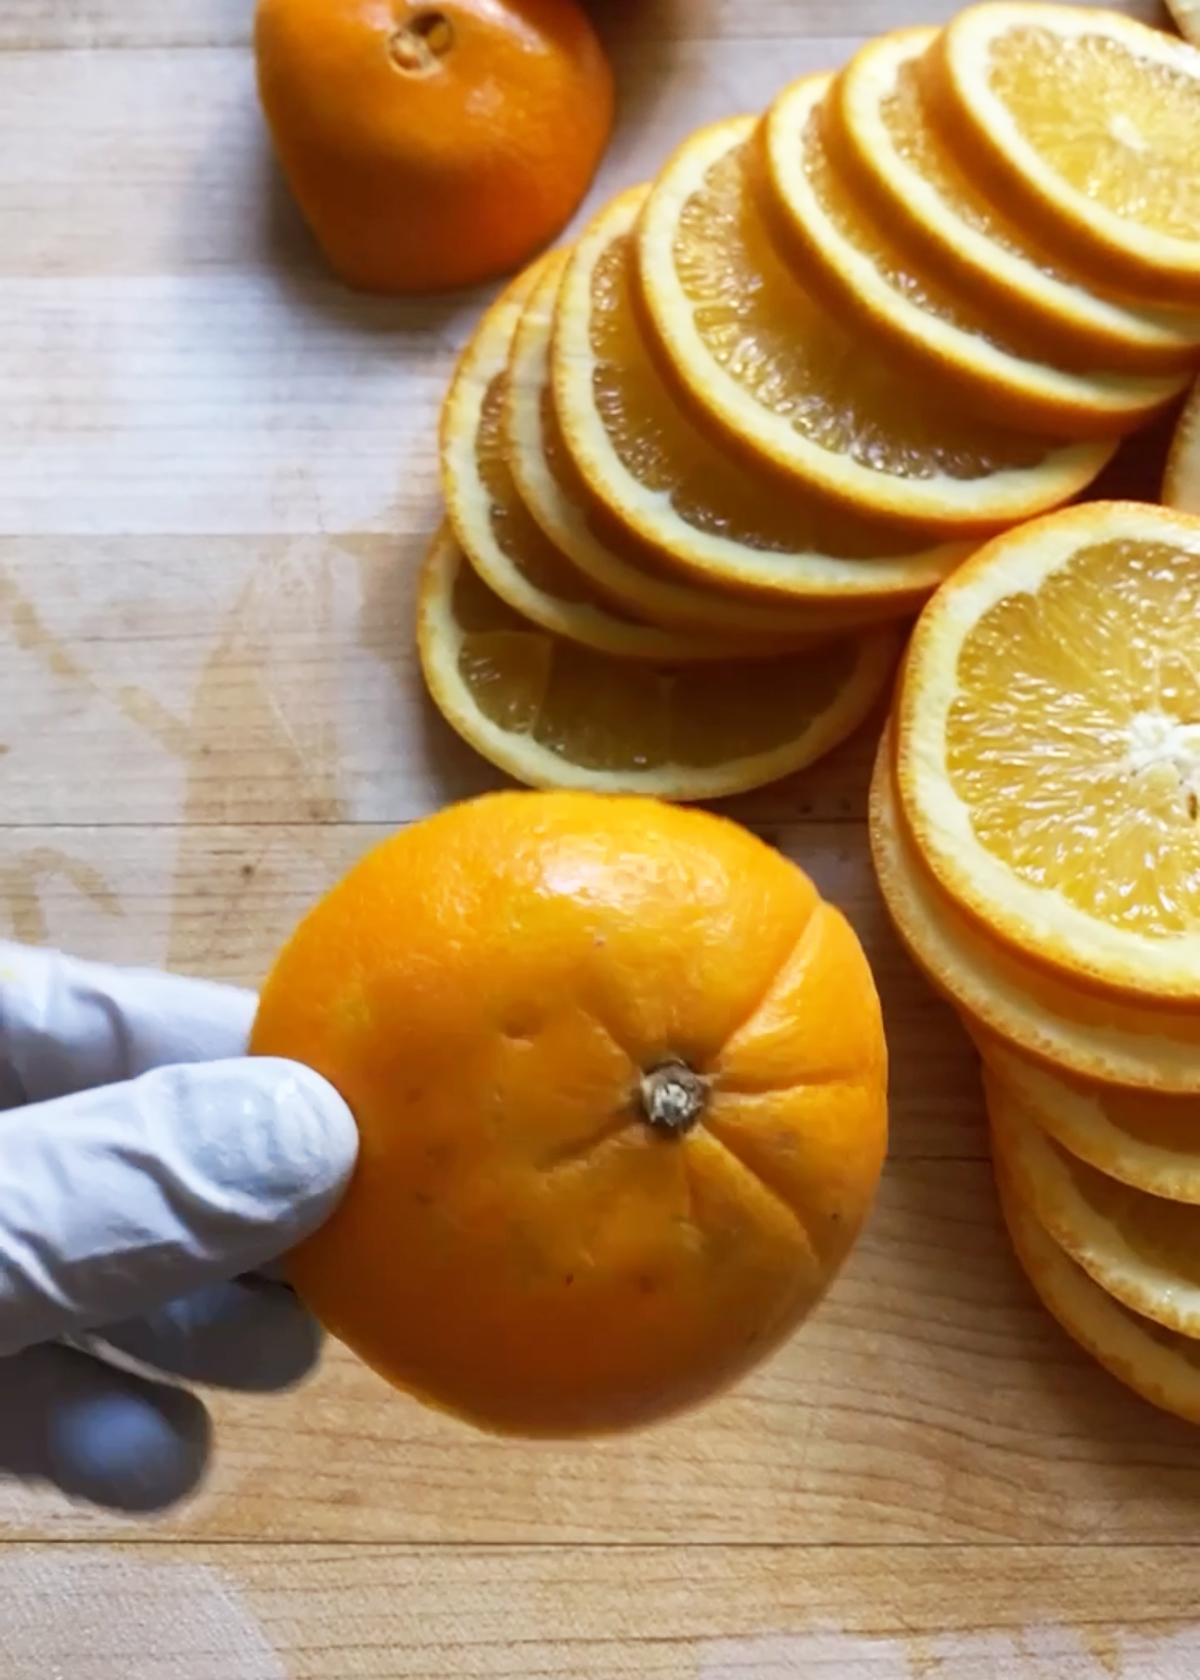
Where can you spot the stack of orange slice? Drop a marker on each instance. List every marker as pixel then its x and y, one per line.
pixel 1035 822
pixel 701 468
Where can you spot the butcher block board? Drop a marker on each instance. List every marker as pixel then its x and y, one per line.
pixel 216 477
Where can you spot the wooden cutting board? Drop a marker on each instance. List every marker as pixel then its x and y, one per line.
pixel 216 474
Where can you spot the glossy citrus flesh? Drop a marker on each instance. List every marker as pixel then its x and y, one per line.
pixel 433 146
pixel 620 1083
pixel 617 564
pixel 495 529
pixel 1085 122
pixel 921 188
pixel 553 714
pixel 1049 746
pixel 1157 1363
pixel 869 281
pixel 773 375
pixel 664 481
pixel 997 992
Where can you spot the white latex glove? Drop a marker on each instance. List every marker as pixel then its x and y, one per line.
pixel 148 1169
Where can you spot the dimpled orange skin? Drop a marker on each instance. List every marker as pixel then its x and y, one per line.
pixel 433 146
pixel 500 993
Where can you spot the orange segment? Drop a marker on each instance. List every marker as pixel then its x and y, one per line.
pixel 883 137
pixel 555 715
pixel 662 480
pixel 868 282
pixel 1049 746
pixel 1084 121
pixel 777 381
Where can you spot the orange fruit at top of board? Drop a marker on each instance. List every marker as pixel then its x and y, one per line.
pixel 620 1080
pixel 433 146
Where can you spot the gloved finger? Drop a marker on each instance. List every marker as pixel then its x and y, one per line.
pixel 115 1200
pixel 99 1434
pixel 249 1335
pixel 66 1025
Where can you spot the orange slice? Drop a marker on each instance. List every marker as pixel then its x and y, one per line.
pixel 623 572
pixel 1048 746
pixel 997 993
pixel 503 543
pixel 776 380
pixel 1143 1250
pixel 1136 1137
pixel 866 281
pixel 1085 123
pixel 1181 481
pixel 662 481
pixel 1160 1365
pixel 881 136
pixel 555 715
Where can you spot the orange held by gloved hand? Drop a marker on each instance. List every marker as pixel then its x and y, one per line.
pixel 433 146
pixel 620 1081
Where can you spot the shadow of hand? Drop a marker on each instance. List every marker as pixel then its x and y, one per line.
pixel 117 1428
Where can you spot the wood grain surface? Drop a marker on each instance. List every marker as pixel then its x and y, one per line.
pixel 216 475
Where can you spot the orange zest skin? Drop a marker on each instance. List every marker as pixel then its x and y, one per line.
pixel 433 146
pixel 495 992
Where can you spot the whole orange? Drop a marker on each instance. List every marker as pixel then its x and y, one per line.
pixel 620 1079
pixel 433 146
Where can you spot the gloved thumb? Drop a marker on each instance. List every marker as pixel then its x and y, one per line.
pixel 119 1198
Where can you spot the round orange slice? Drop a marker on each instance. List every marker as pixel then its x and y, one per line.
pixel 775 379
pixel 1135 1137
pixel 865 280
pixel 1084 122
pixel 1144 1250
pixel 503 543
pixel 998 994
pixel 662 481
pixel 1048 747
pixel 1181 481
pixel 1158 1364
pixel 556 715
pixel 881 136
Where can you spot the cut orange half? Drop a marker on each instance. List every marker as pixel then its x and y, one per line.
pixel 1181 481
pixel 881 136
pixel 776 379
pixel 1136 1137
pixel 1085 122
pixel 1048 747
pixel 503 543
pixel 995 991
pixel 613 562
pixel 867 281
pixel 1143 1250
pixel 555 715
pixel 662 480
pixel 1158 1364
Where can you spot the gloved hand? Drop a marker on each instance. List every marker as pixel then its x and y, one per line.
pixel 148 1171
